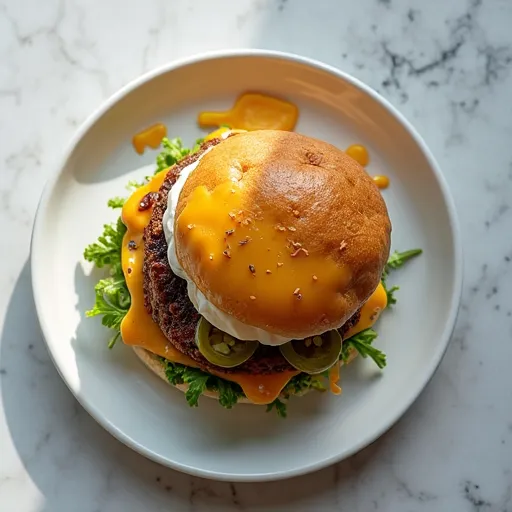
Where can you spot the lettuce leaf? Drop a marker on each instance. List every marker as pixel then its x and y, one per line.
pixel 279 406
pixel 199 381
pixel 172 152
pixel 362 342
pixel 395 261
pixel 107 250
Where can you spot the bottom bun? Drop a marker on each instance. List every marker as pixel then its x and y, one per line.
pixel 156 366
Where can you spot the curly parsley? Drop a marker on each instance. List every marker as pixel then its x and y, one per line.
pixel 112 299
pixel 362 342
pixel 172 152
pixel 395 261
pixel 279 406
pixel 297 385
pixel 199 381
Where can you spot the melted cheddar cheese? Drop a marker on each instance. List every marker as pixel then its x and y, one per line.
pixel 254 111
pixel 255 259
pixel 222 132
pixel 370 311
pixel 381 181
pixel 139 329
pixel 151 137
pixel 334 377
pixel 359 153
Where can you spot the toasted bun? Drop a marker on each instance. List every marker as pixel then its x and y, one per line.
pixel 155 365
pixel 316 226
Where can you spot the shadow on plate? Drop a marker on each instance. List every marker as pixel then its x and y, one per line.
pixel 65 452
pixel 90 333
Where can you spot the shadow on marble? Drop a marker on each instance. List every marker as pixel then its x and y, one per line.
pixel 67 454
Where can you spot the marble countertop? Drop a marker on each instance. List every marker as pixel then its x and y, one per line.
pixel 445 65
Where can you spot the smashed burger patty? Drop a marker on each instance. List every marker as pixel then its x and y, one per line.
pixel 166 298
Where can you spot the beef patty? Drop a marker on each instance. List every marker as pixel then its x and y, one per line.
pixel 166 298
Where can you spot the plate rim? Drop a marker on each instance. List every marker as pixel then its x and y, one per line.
pixel 339 74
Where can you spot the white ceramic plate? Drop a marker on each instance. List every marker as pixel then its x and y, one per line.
pixel 245 443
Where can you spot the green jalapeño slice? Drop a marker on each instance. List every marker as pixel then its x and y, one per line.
pixel 221 348
pixel 314 354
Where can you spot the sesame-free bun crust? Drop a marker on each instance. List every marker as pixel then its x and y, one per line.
pixel 153 363
pixel 330 206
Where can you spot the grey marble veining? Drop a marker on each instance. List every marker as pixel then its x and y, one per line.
pixel 446 65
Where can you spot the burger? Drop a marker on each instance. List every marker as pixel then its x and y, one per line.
pixel 250 269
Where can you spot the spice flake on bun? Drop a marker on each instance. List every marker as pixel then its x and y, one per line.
pixel 294 200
